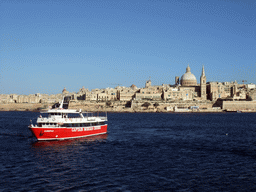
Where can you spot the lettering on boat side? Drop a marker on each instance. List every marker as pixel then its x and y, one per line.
pixel 96 128
pixel 85 129
pixel 48 130
pixel 77 129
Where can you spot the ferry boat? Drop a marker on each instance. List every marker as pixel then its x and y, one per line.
pixel 59 124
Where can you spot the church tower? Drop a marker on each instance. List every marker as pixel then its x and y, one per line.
pixel 203 85
pixel 148 84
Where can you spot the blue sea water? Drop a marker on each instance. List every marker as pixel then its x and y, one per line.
pixel 140 152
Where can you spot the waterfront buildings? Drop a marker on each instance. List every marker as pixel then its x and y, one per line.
pixel 186 89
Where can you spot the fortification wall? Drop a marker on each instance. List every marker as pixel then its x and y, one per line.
pixel 239 105
pixel 21 106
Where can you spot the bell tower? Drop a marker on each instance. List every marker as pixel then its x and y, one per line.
pixel 148 84
pixel 203 85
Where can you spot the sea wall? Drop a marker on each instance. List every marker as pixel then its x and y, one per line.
pixel 239 105
pixel 118 106
pixel 21 106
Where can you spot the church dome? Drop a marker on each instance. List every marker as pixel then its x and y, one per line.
pixel 133 86
pixel 188 79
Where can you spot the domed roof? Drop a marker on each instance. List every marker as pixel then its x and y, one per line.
pixel 188 79
pixel 133 86
pixel 188 76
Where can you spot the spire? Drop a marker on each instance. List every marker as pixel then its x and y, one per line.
pixel 203 73
pixel 188 69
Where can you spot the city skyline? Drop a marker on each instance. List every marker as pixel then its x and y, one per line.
pixel 46 46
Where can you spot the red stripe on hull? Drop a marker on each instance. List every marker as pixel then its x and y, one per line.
pixel 42 133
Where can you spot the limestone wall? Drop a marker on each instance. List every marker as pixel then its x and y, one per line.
pixel 21 106
pixel 239 105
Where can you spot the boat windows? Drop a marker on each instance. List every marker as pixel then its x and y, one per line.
pixel 47 124
pixel 85 124
pixel 67 125
pixel 76 125
pixel 54 114
pixel 72 125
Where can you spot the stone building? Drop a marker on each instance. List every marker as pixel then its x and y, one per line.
pixel 215 90
pixel 188 79
pixel 112 94
pixel 64 91
pixel 250 86
pixel 126 93
pixel 33 98
pixel 252 95
pixel 101 94
pixel 226 90
pixel 149 92
pixel 93 96
pixel 4 99
pixel 81 94
pixel 178 93
pixel 203 93
pixel 187 88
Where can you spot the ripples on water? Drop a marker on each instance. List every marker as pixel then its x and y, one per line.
pixel 141 152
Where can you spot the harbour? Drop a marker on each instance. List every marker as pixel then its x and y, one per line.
pixel 140 152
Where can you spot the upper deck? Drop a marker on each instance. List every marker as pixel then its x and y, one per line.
pixel 60 116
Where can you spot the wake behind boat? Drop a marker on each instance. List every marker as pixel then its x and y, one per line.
pixel 67 124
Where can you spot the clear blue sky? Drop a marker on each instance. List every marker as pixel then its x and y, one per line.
pixel 51 44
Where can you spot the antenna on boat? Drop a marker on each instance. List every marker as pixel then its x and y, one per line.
pixel 61 104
